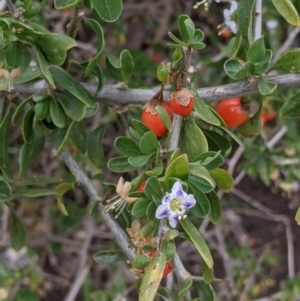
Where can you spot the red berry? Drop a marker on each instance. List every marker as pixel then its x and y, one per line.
pixel 233 111
pixel 267 115
pixel 152 120
pixel 141 186
pixel 182 102
pixel 168 266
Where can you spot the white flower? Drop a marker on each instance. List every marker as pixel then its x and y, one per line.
pixel 118 202
pixel 227 17
pixel 175 204
pixel 272 24
pixel 206 3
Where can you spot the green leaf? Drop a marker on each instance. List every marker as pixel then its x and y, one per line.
pixel 202 184
pixel 234 45
pixel 176 40
pixel 289 62
pixel 120 69
pixel 202 208
pixel 186 28
pixel 139 161
pixel 24 294
pixel 65 4
pixel 223 179
pixel 66 81
pixel 107 256
pixel 27 128
pixel 42 109
pixel 43 65
pixel 139 127
pixel 232 66
pixel 54 46
pixel 288 11
pixel 108 10
pixel 245 19
pixel 127 147
pixel 153 189
pixel 141 261
pixel 37 181
pixel 4 136
pixel 291 108
pixel 28 75
pixel 95 147
pixel 5 191
pixel 203 111
pixel 163 291
pixel 148 143
pixel 139 208
pixel 152 277
pixel 198 241
pixel 177 168
pixel 35 192
pixel 257 51
pixel 208 273
pixel 164 117
pixel 151 209
pixel 262 66
pixel 19 110
pixel 66 139
pixel 62 189
pixel 79 136
pixel 210 160
pixel 57 113
pixel 201 172
pixel 94 25
pixel 266 87
pixel 18 233
pixel 14 55
pixel 72 106
pixel 30 151
pixel 188 144
pixel 215 206
pixel 187 284
pixel 205 291
pixel 120 165
pixel 198 46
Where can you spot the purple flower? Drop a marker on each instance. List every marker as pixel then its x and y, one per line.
pixel 175 204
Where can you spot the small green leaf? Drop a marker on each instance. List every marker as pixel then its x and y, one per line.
pixel 62 189
pixel 43 65
pixel 27 128
pixel 141 261
pixel 164 117
pixel 232 66
pixel 187 284
pixel 202 208
pixel 198 241
pixel 163 291
pixel 35 192
pixel 139 208
pixel 19 110
pixel 5 191
pixel 208 273
pixel 201 172
pixel 151 209
pixel 176 40
pixel 30 151
pixel 139 161
pixel 18 233
pixel 72 106
pixel 266 87
pixel 152 277
pixel 153 188
pixel 42 109
pixel 66 81
pixel 262 66
pixel 215 206
pixel 288 11
pixel 120 69
pixel 148 143
pixel 297 217
pixel 108 10
pixel 257 51
pixel 94 25
pixel 54 46
pixel 107 256
pixel 31 73
pixel 126 147
pixel 95 147
pixel 201 184
pixel 186 28
pixel 120 165
pixel 139 127
pixel 14 55
pixel 210 160
pixel 65 4
pixel 188 144
pixel 245 19
pixel 177 168
pixel 198 36
pixel 289 62
pixel 234 45
pixel 79 136
pixel 205 292
pixel 291 108
pixel 57 114
pixel 223 179
pixel 65 138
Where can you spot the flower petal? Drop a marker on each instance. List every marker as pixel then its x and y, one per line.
pixel 232 26
pixel 162 211
pixel 173 219
pixel 166 199
pixel 233 7
pixel 188 202
pixel 177 190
